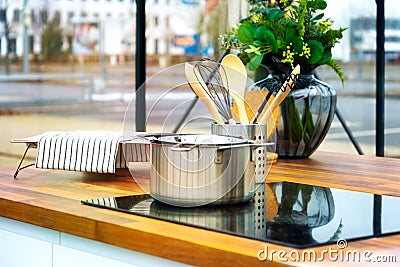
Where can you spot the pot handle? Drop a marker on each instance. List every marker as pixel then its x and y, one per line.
pixel 256 145
pixel 181 148
pixel 139 139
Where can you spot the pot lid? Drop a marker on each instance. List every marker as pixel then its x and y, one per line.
pixel 201 139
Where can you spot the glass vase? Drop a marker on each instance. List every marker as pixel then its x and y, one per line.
pixel 306 115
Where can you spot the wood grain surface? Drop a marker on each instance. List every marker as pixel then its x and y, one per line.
pixel 51 199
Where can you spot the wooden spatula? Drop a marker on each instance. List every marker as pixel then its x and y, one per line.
pixel 234 77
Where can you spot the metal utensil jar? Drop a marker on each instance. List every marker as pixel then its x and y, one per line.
pixel 195 170
pixel 254 132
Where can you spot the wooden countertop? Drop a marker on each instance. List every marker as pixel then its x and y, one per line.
pixel 51 199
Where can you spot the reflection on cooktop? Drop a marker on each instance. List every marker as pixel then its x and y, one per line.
pixel 289 214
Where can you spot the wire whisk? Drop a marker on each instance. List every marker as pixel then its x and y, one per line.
pixel 209 71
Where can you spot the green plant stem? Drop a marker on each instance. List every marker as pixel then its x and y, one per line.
pixel 297 129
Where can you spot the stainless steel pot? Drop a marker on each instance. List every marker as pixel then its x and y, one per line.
pixel 194 170
pixel 255 132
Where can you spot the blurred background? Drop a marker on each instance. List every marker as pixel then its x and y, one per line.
pixel 70 64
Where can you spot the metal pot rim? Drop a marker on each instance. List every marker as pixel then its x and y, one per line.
pixel 221 140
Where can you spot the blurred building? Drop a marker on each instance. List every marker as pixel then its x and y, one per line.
pixel 173 27
pixel 70 14
pixel 359 16
pixel 102 26
pixel 363 38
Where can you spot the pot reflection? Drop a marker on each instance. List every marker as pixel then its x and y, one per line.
pixel 248 218
pixel 237 218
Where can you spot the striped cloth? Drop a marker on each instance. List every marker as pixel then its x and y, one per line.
pixel 87 151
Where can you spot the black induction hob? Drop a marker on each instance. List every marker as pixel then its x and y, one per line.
pixel 308 215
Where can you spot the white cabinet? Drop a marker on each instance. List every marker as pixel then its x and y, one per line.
pixel 26 245
pixel 67 257
pixel 22 251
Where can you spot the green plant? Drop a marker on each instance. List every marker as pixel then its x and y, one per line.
pixel 52 40
pixel 291 32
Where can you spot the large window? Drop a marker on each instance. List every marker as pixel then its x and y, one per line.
pixel 81 70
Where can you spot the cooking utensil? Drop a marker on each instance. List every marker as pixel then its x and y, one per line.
pixel 208 70
pixel 262 106
pixel 266 100
pixel 234 76
pixel 207 169
pixel 198 86
pixel 285 90
pixel 253 99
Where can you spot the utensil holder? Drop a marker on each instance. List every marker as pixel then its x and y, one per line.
pixel 254 132
pixel 260 223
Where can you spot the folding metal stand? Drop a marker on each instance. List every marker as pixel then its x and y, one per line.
pixel 19 168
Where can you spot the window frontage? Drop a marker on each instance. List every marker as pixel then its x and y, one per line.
pixel 79 70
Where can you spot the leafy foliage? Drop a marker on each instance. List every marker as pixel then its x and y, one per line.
pixel 52 40
pixel 294 32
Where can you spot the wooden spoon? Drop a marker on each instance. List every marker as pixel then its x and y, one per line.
pixel 198 85
pixel 234 77
pixel 252 100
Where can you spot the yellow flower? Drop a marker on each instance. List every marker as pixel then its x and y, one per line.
pixel 288 56
pixel 255 18
pixel 325 26
pixel 306 51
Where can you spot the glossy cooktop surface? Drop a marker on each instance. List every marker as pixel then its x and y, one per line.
pixel 289 214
